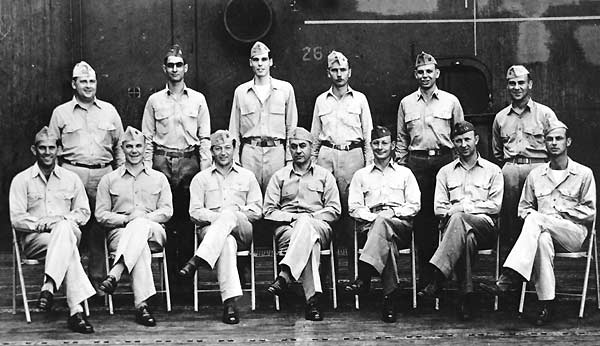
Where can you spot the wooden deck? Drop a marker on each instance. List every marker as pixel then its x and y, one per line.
pixel 344 326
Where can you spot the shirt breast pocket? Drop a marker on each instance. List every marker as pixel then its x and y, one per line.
pixel 162 115
pixel 239 191
pixel 396 192
pixel 34 199
pixel 190 120
pixel 213 198
pixel 315 191
pixel 352 116
pixel 481 190
pixel 151 196
pixel 66 197
pixel 277 112
pixel 441 122
pixel 248 116
pixel 105 132
pixel 412 123
pixel 455 191
pixel 71 135
pixel 535 135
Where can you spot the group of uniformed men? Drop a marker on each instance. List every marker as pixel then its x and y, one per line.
pixel 146 186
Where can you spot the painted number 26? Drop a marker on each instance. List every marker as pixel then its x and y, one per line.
pixel 312 53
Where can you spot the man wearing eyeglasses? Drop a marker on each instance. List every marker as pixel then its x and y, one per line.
pixel 262 115
pixel 176 123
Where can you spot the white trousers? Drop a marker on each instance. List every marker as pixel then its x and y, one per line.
pixel 131 244
pixel 219 245
pixel 533 253
pixel 304 239
pixel 62 263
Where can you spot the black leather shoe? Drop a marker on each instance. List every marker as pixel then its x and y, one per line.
pixel 388 312
pixel 109 285
pixel 45 300
pixel 230 315
pixel 144 317
pixel 189 269
pixel 278 286
pixel 431 290
pixel 506 284
pixel 359 286
pixel 543 316
pixel 79 324
pixel 312 312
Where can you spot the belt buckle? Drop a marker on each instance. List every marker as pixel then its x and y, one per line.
pixel 344 147
pixel 431 152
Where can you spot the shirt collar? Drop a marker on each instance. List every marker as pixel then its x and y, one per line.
pixel 168 91
pixel 457 162
pixel 529 106
pixel 235 167
pixel 349 92
pixel 310 169
pixel 434 94
pixel 571 167
pixel 35 171
pixel 76 103
pixel 123 169
pixel 272 83
pixel 390 164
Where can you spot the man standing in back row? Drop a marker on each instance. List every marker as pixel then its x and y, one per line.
pixel 425 120
pixel 89 130
pixel 176 124
pixel 518 143
pixel 262 115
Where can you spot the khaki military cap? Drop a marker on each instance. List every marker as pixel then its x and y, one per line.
pixel 516 71
pixel 259 48
pixel 83 69
pixel 336 57
pixel 424 59
pixel 301 134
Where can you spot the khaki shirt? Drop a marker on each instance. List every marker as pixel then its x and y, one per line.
pixel 315 192
pixel 515 134
pixel 395 187
pixel 211 192
pixel 88 135
pixel 574 198
pixel 177 123
pixel 32 197
pixel 275 118
pixel 120 193
pixel 340 121
pixel 479 189
pixel 426 125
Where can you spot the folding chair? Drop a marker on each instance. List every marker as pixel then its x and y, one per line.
pixel 408 251
pixel 324 252
pixel 243 253
pixel 485 252
pixel 157 254
pixel 18 263
pixel 592 245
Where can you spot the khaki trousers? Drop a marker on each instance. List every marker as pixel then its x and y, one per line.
pixel 304 239
pixel 263 162
pixel 533 253
pixel 62 263
pixel 219 245
pixel 384 236
pixel 464 235
pixel 131 244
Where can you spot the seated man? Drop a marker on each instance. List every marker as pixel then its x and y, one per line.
pixel 558 204
pixel 48 204
pixel 224 199
pixel 468 194
pixel 303 200
pixel 133 201
pixel 383 198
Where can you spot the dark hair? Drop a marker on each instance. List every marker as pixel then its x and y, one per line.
pixel 174 50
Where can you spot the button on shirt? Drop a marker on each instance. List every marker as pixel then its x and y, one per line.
pixel 426 125
pixel 394 187
pixel 290 192
pixel 120 193
pixel 176 123
pixel 211 192
pixel 273 118
pixel 89 134
pixel 478 189
pixel 521 134
pixel 32 197
pixel 573 198
pixel 340 121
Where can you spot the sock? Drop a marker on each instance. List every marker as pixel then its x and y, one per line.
pixel 141 305
pixel 229 301
pixel 49 285
pixel 117 270
pixel 75 309
pixel 285 273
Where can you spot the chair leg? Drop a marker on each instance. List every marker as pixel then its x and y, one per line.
pixel 413 271
pixel 252 278
pixel 522 300
pixel 356 297
pixel 195 275
pixel 596 266
pixel 21 278
pixel 586 278
pixel 109 298
pixel 14 282
pixel 275 270
pixel 165 274
pixel 86 308
pixel 497 269
pixel 333 279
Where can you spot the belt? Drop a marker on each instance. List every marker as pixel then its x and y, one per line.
pixel 262 141
pixel 344 147
pixel 430 152
pixel 186 153
pixel 520 160
pixel 379 208
pixel 85 165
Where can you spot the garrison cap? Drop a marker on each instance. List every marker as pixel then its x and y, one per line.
pixel 516 71
pixel 45 135
pixel 132 134
pixel 174 50
pixel 424 59
pixel 336 56
pixel 259 48
pixel 221 137
pixel 462 127
pixel 380 132
pixel 301 134
pixel 83 69
pixel 556 124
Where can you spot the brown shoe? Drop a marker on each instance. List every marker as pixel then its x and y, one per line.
pixel 144 317
pixel 79 324
pixel 45 300
pixel 109 285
